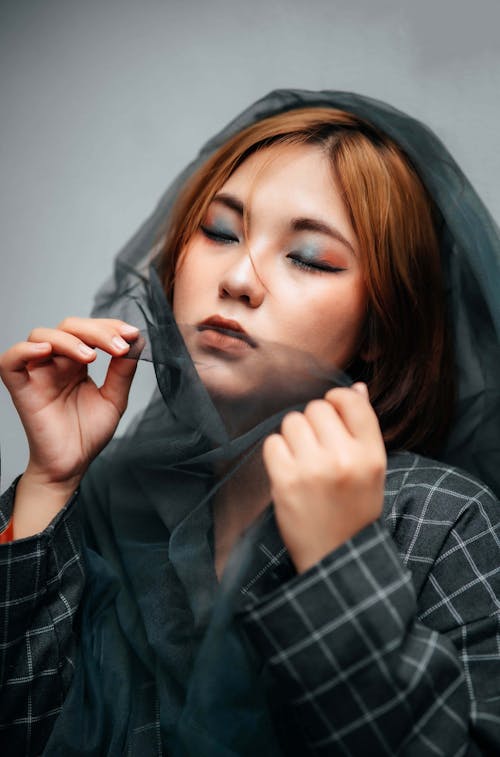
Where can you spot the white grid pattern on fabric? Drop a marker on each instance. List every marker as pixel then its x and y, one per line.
pixel 425 561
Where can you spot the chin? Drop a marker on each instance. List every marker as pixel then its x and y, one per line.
pixel 223 383
pixel 241 403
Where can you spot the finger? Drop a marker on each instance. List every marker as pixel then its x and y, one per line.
pixel 116 386
pixel 326 423
pixel 298 434
pixel 64 344
pixel 276 455
pixel 81 347
pixel 14 362
pixel 94 330
pixel 355 411
pixel 361 388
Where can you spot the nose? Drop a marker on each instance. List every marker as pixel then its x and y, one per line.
pixel 240 281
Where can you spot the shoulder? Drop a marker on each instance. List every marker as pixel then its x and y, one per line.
pixel 437 513
pixel 421 482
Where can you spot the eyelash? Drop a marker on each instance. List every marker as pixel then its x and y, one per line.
pixel 217 236
pixel 306 265
pixel 298 262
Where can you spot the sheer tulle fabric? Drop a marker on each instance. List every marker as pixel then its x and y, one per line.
pixel 155 622
pixel 470 244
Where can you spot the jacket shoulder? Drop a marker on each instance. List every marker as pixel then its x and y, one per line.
pixel 414 481
pixel 435 511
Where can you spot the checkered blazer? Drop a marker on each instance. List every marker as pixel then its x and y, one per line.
pixel 390 645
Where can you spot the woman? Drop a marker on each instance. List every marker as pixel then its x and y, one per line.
pixel 348 620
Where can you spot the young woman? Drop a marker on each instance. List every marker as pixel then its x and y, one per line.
pixel 156 602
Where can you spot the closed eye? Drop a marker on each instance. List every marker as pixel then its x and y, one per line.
pixel 313 266
pixel 219 236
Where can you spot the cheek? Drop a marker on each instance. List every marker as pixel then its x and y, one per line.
pixel 335 323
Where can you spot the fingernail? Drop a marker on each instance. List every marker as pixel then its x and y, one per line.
pixel 87 351
pixel 361 388
pixel 129 330
pixel 119 343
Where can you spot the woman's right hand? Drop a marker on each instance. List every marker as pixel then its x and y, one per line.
pixel 67 418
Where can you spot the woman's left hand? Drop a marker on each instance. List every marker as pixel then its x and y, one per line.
pixel 327 472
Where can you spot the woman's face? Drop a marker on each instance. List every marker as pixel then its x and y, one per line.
pixel 286 290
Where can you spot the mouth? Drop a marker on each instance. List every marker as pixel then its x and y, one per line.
pixel 228 328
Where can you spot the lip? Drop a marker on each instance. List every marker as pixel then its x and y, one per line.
pixel 228 327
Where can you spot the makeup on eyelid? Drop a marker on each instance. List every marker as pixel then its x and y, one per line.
pixel 217 223
pixel 297 254
pixel 312 253
pixel 309 254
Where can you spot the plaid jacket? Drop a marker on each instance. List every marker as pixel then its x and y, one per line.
pixel 389 645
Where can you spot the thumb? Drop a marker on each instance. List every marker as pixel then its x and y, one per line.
pixel 118 381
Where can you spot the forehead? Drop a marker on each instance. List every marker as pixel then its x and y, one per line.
pixel 301 173
pixel 283 183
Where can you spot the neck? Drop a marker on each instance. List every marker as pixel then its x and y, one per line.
pixel 238 502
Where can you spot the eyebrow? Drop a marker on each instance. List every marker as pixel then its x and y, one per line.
pixel 312 224
pixel 297 224
pixel 230 201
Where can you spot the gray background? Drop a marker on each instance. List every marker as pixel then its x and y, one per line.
pixel 102 102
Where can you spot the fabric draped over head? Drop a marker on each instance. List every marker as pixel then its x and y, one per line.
pixel 154 610
pixel 470 245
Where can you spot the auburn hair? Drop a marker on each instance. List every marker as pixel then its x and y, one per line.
pixel 406 359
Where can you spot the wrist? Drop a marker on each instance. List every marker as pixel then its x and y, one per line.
pixel 37 502
pixel 36 477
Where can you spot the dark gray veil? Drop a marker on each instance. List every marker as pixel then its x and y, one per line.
pixel 159 644
pixel 470 244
